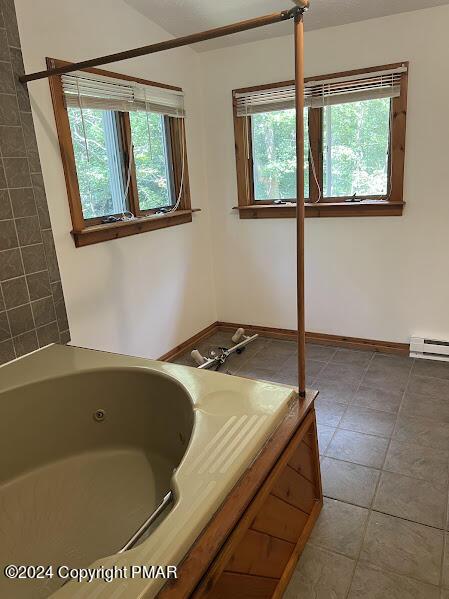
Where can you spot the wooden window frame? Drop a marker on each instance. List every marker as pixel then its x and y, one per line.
pixel 250 208
pixel 90 231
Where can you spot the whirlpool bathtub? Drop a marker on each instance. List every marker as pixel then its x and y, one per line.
pixel 91 443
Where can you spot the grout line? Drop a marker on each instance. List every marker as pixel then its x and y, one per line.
pixel 358 560
pixel 28 303
pixel 9 323
pixel 33 187
pixel 371 509
pixel 1 286
pixel 368 509
pixel 336 427
pixel 382 468
pixel 37 272
pixel 445 521
pixel 365 528
pixel 399 574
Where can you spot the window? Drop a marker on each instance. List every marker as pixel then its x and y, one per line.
pixel 124 153
pixel 100 171
pixel 356 147
pixel 152 159
pixel 274 155
pixel 353 148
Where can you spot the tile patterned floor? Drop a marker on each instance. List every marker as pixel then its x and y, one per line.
pixel 383 424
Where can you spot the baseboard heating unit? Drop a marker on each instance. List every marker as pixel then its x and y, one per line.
pixel 429 349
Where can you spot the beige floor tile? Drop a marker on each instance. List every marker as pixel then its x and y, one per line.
pixel 325 434
pixel 389 361
pixel 422 431
pixel 337 392
pixel 349 482
pixel 353 356
pixel 426 405
pixel 342 373
pixel 288 373
pixel 322 353
pixel 377 399
pixel 445 579
pixel 320 574
pixel 421 462
pixel 340 528
pixel 328 413
pixel 434 368
pixel 411 498
pixel 363 420
pixel 404 547
pixel 425 385
pixel 372 583
pixel 388 373
pixel 367 450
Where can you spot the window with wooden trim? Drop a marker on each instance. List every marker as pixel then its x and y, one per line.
pixel 123 149
pixel 354 146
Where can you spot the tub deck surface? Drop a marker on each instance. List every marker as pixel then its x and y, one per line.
pixel 233 418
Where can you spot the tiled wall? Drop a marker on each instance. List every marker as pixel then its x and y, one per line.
pixel 32 308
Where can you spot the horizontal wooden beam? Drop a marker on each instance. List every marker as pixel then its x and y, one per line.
pixel 169 44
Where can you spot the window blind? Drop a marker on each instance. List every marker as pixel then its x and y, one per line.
pixel 105 93
pixel 324 92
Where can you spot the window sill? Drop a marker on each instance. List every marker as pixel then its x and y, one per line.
pixel 324 210
pixel 100 233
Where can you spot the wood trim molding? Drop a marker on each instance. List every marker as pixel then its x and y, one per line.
pixel 183 347
pixel 316 150
pixel 225 564
pixel 384 347
pixel 99 233
pixel 392 204
pixel 389 347
pixel 213 537
pixel 323 210
pixel 91 231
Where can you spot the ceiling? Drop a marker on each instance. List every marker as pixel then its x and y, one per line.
pixel 182 17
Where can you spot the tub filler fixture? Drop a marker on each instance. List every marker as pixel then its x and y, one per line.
pixel 108 461
pixel 217 360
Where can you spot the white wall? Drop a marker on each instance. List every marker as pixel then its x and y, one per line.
pixel 144 294
pixel 377 278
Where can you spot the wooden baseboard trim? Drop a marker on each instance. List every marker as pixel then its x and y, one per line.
pixel 384 347
pixel 388 347
pixel 183 347
pixel 286 334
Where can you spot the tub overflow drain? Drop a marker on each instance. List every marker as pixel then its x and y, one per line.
pixel 99 415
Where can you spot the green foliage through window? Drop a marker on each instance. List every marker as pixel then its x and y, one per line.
pixel 98 165
pixel 150 155
pixel 99 157
pixel 274 155
pixel 356 139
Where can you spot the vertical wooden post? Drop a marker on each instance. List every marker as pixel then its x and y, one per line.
pixel 300 208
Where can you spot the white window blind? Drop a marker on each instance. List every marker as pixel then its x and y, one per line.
pixel 105 93
pixel 325 92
